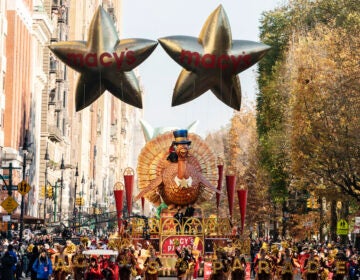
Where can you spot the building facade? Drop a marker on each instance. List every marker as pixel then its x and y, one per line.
pixel 3 34
pixel 71 154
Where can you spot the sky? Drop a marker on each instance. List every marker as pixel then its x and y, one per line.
pixel 158 73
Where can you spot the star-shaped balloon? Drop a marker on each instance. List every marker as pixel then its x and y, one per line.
pixel 212 61
pixel 105 62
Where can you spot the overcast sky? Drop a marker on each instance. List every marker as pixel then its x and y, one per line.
pixel 161 18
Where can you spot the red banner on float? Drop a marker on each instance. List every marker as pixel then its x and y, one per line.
pixel 242 196
pixel 230 186
pixel 220 171
pixel 169 244
pixel 129 182
pixel 118 194
pixel 142 204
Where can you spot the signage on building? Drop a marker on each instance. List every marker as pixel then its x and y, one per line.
pixel 6 218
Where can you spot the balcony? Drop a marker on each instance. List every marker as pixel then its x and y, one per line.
pixel 55 4
pixel 58 106
pixel 52 97
pixel 61 19
pixel 53 66
pixel 60 76
pixel 55 134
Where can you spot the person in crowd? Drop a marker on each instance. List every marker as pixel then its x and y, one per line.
pixel 189 213
pixel 127 264
pixel 311 266
pixel 33 256
pixel 353 268
pixel 110 269
pixel 179 216
pixel 287 265
pixel 43 266
pixel 11 251
pixel 79 262
pixel 182 264
pixel 152 265
pixel 7 263
pixel 238 265
pixel 304 254
pixel 340 266
pixel 263 266
pixel 197 259
pixel 220 265
pixel 69 251
pixel 93 272
pixel 140 255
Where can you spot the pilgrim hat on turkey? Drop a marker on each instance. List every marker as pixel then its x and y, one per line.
pixel 181 137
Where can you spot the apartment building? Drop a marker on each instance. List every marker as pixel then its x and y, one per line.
pixel 74 154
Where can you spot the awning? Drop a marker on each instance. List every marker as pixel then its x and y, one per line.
pixel 15 218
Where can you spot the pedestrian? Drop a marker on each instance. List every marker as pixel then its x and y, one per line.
pixel 8 262
pixel 93 272
pixel 33 256
pixel 11 251
pixel 43 266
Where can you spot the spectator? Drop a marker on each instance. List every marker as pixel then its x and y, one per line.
pixel 42 266
pixel 8 262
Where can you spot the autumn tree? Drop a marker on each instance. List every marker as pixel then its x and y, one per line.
pixel 240 154
pixel 307 108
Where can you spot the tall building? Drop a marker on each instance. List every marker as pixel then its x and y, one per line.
pixel 16 90
pixel 71 154
pixel 3 35
pixel 43 29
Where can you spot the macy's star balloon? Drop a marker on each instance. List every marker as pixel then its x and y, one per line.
pixel 212 61
pixel 105 62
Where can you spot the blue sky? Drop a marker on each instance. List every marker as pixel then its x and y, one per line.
pixel 161 18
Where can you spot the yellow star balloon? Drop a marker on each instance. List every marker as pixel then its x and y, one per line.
pixel 212 61
pixel 105 62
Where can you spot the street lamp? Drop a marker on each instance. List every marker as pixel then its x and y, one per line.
pixel 90 200
pixel 76 176
pixel 25 149
pixel 62 168
pixel 81 196
pixel 46 158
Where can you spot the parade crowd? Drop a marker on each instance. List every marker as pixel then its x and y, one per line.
pixel 41 258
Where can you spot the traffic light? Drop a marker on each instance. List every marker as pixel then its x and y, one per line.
pixel 309 203
pixel 80 201
pixel 42 192
pixel 49 192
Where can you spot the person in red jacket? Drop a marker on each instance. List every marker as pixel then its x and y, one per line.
pixel 93 272
pixel 111 269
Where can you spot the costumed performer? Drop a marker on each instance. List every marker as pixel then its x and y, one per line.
pixel 152 265
pixel 127 263
pixel 238 265
pixel 263 266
